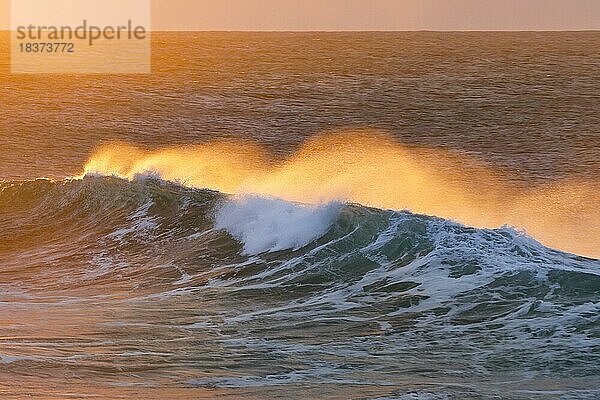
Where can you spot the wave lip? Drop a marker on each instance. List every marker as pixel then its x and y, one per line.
pixel 269 224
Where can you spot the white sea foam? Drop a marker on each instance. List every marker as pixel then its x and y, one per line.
pixel 6 359
pixel 268 224
pixel 140 224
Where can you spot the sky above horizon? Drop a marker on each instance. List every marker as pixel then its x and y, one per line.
pixel 333 15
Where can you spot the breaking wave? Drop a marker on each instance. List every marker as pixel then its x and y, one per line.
pixel 263 276
pixel 372 169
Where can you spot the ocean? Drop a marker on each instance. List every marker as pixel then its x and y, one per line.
pixel 409 215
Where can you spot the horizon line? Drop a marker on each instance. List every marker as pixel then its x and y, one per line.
pixel 364 30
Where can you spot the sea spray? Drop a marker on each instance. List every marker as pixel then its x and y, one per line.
pixel 372 169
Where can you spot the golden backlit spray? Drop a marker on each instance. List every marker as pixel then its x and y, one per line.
pixel 372 169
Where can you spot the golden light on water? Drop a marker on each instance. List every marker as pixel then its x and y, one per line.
pixel 374 170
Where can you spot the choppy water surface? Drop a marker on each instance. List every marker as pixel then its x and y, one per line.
pixel 131 288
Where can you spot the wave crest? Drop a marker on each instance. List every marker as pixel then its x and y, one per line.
pixel 372 169
pixel 269 225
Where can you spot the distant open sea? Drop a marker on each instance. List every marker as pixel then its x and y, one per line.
pixel 410 215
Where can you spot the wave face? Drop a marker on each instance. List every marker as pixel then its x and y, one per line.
pixel 165 286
